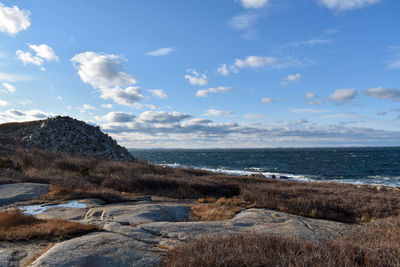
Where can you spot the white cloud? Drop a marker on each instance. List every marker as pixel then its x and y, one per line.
pixel 158 93
pixel 267 100
pixel 343 95
pixel 254 4
pixel 58 97
pixel 103 72
pixel 255 62
pixel 162 117
pixel 384 93
pixel 117 117
pixel 212 112
pixel 196 78
pixel 86 107
pixel 3 103
pixel 291 78
pixel 109 106
pixel 260 61
pixel 209 91
pixel 44 51
pixel 13 20
pixel 162 129
pixel 347 4
pixel 28 58
pixel 223 70
pixel 128 96
pixel 312 99
pixel 161 52
pixel 27 115
pixel 9 88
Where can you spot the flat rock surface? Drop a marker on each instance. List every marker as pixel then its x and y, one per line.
pixel 99 249
pixel 73 214
pixel 13 193
pixel 138 213
pixel 252 220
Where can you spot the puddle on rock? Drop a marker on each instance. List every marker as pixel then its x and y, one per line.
pixel 37 209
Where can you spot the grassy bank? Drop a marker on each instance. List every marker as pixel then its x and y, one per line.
pixel 375 244
pixel 16 226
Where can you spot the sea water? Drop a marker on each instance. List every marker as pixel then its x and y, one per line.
pixel 379 165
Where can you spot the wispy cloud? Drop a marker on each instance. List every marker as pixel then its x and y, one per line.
pixel 292 78
pixel 384 93
pixel 158 93
pixel 312 99
pixel 311 42
pixel 212 112
pixel 209 91
pixel 254 4
pixel 161 52
pixel 342 5
pixel 267 100
pixel 9 88
pixel 13 77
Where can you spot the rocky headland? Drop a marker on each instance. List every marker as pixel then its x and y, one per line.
pixel 67 135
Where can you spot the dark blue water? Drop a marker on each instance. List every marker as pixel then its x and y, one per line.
pixel 348 165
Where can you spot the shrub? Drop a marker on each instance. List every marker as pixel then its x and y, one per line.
pixel 16 226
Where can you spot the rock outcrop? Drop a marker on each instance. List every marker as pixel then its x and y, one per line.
pixel 65 134
pixel 12 193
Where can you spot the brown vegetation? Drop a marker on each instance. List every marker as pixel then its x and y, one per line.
pixel 375 244
pixel 211 209
pixel 80 177
pixel 16 226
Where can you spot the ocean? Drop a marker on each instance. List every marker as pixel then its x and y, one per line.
pixel 380 165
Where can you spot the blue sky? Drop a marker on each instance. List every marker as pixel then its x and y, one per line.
pixel 196 74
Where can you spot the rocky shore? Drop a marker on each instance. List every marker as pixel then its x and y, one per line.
pixel 139 232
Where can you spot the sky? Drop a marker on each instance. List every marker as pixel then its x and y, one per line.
pixel 207 73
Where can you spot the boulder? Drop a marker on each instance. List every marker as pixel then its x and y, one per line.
pixel 99 249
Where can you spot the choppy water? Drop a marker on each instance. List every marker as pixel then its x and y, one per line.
pixel 349 165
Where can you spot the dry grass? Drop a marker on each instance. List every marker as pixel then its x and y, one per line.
pixel 376 244
pixel 16 226
pixel 215 210
pixel 332 201
pixel 63 193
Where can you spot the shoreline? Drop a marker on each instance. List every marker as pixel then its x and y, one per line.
pixel 279 176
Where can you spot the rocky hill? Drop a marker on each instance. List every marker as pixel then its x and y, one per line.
pixel 65 134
